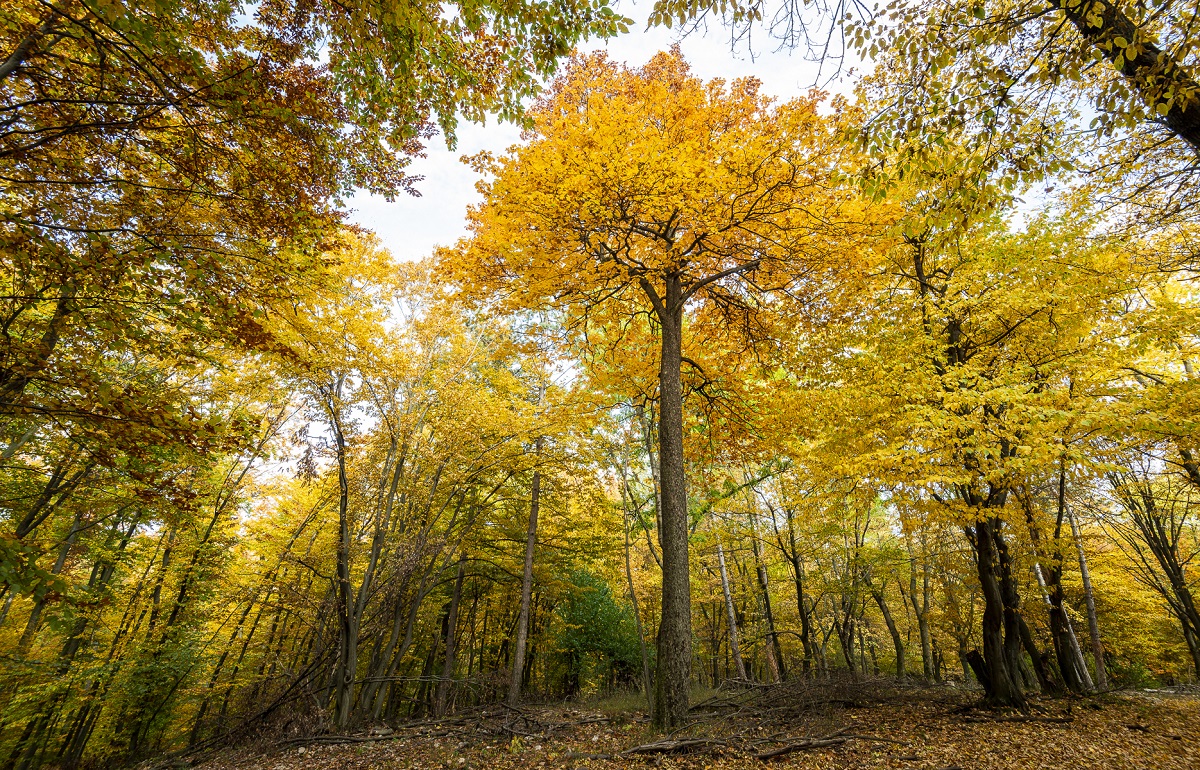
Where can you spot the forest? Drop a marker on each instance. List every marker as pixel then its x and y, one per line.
pixel 855 429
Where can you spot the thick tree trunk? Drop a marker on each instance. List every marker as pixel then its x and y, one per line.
pixel 735 649
pixel 996 669
pixel 675 628
pixel 1093 624
pixel 517 680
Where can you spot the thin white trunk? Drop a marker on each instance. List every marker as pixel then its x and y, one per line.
pixel 1076 651
pixel 1093 624
pixel 734 649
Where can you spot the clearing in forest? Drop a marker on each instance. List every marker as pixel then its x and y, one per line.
pixel 868 724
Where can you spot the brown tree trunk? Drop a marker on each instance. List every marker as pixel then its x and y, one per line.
pixel 675 628
pixel 1169 93
pixel 347 621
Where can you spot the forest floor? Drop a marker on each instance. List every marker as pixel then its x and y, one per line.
pixel 872 724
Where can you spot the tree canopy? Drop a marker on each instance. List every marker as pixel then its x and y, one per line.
pixel 715 390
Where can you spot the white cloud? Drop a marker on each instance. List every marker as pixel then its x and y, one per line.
pixel 412 227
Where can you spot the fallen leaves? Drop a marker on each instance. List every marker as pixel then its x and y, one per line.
pixel 902 727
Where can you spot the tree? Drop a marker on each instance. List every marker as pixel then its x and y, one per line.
pixel 649 193
pixel 995 55
pixel 1155 528
pixel 183 162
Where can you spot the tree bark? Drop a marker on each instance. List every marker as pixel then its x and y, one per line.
pixel 347 621
pixel 921 610
pixel 1066 644
pixel 1169 92
pixel 995 669
pixel 675 628
pixel 517 680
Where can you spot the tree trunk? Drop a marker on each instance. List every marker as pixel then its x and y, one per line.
pixel 347 620
pixel 35 615
pixel 734 648
pixel 897 642
pixel 675 627
pixel 774 653
pixel 806 642
pixel 1011 597
pixel 921 610
pixel 1066 645
pixel 442 698
pixel 1093 624
pixel 637 615
pixel 1040 669
pixel 995 669
pixel 1071 666
pixel 517 679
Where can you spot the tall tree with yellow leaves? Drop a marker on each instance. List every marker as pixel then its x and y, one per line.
pixel 649 193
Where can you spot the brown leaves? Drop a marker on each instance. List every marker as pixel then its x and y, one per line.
pixel 911 729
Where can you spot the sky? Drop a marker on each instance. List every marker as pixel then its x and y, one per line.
pixel 412 227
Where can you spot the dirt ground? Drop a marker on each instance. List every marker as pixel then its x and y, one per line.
pixel 859 725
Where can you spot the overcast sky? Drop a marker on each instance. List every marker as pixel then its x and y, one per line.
pixel 411 227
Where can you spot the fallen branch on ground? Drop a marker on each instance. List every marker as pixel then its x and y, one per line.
pixel 791 748
pixel 1048 720
pixel 683 746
